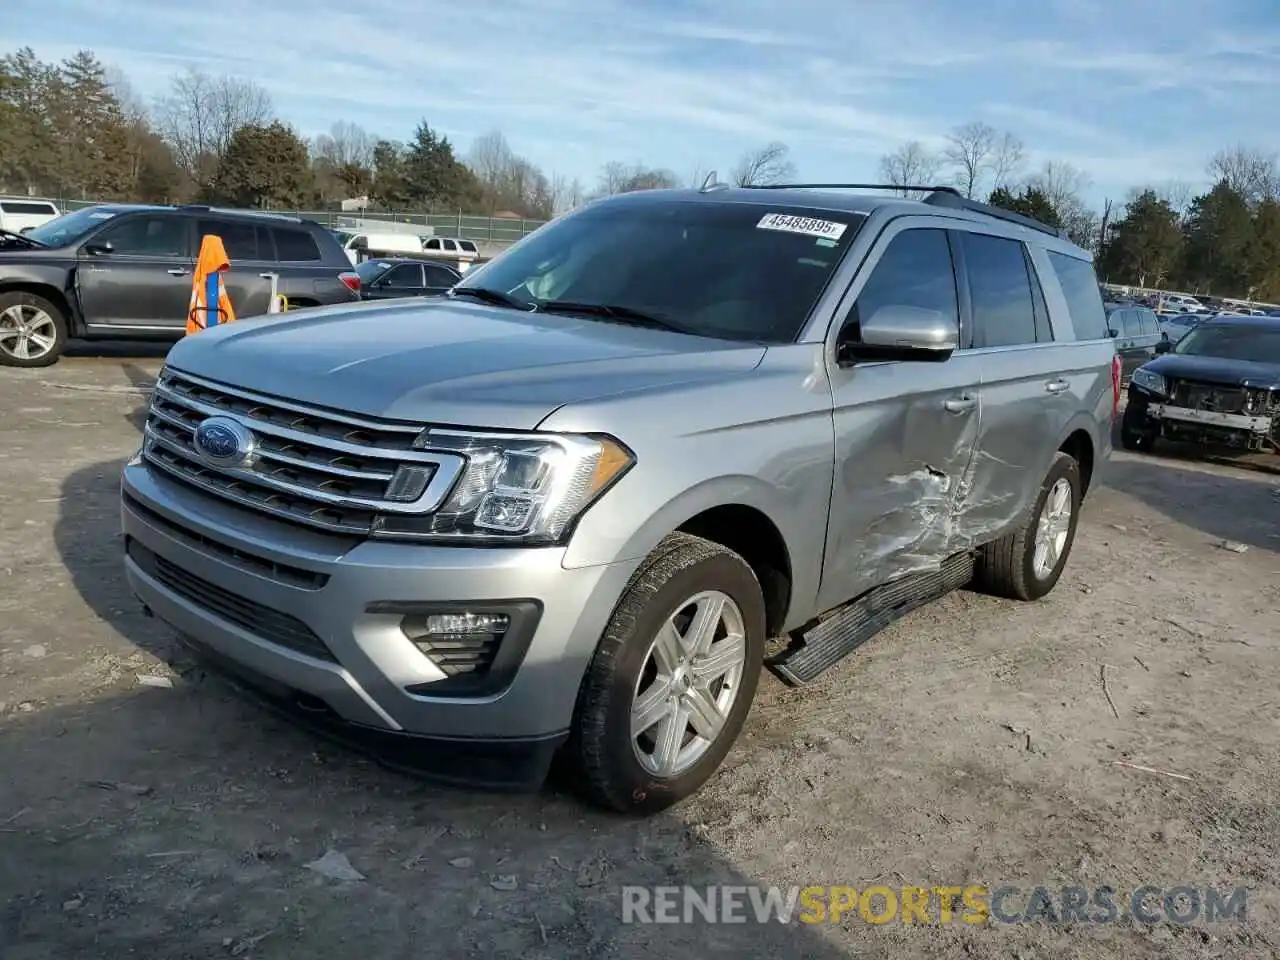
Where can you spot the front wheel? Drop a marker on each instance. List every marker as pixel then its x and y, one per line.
pixel 673 678
pixel 33 331
pixel 1026 564
pixel 1134 432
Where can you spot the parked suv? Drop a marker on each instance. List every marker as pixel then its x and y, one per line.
pixel 577 504
pixel 125 271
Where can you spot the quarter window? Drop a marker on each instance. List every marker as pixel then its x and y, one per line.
pixel 405 275
pixel 293 246
pixel 1084 301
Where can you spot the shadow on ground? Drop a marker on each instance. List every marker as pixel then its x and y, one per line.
pixel 1244 508
pixel 118 349
pixel 178 822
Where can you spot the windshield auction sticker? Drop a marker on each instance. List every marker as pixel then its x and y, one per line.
pixel 827 229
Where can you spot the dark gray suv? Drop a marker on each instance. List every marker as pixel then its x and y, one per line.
pixel 125 271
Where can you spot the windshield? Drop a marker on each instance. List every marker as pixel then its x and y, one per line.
pixel 1233 342
pixel 371 270
pixel 70 227
pixel 736 271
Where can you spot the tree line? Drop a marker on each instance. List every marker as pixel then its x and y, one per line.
pixel 76 129
pixel 1224 241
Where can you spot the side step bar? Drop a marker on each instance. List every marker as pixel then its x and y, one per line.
pixel 828 641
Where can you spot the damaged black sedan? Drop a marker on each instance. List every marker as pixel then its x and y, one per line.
pixel 1219 386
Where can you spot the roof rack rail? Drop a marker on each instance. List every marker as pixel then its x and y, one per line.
pixel 953 200
pixel 896 187
pixel 208 208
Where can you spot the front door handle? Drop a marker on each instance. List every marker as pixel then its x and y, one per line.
pixel 177 271
pixel 959 404
pixel 1057 386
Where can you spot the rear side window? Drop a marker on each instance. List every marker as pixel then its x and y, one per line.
pixel 1084 302
pixel 1044 329
pixel 915 270
pixel 1150 326
pixel 239 239
pixel 432 244
pixel 293 246
pixel 999 290
pixel 28 207
pixel 467 246
pixel 405 275
pixel 438 276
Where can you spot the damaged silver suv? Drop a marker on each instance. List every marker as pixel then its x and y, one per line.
pixel 664 442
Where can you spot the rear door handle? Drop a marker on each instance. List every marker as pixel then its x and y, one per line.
pixel 959 404
pixel 1057 386
pixel 177 271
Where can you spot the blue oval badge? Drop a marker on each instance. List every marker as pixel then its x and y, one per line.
pixel 223 442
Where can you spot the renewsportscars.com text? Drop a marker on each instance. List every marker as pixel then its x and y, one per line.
pixel 973 903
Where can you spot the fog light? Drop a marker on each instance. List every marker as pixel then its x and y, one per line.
pixel 458 643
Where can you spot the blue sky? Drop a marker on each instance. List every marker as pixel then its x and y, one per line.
pixel 1131 91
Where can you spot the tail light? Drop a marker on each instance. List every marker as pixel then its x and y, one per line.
pixel 1115 386
pixel 351 280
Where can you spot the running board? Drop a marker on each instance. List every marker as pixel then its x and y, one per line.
pixel 830 640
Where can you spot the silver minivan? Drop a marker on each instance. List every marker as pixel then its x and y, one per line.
pixel 665 442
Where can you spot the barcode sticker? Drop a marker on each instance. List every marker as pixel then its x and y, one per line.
pixel 808 226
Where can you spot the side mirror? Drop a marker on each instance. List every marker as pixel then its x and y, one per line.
pixel 98 249
pixel 896 332
pixel 1164 346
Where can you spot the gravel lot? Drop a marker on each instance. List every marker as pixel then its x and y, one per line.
pixel 969 744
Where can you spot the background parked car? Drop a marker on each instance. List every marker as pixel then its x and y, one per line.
pixel 19 214
pixel 460 253
pixel 359 247
pixel 390 279
pixel 1136 331
pixel 125 271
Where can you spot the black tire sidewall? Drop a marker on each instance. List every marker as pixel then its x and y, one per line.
pixel 59 325
pixel 724 572
pixel 1063 467
pixel 1134 434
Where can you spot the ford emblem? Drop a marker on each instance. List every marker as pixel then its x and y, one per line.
pixel 224 442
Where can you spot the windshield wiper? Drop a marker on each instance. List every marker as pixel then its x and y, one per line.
pixel 11 235
pixel 491 296
pixel 628 315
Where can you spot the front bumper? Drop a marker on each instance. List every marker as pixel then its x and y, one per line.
pixel 1153 416
pixel 287 611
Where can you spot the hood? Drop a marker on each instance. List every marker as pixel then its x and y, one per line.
pixel 446 362
pixel 1233 373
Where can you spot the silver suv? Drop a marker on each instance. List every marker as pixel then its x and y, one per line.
pixel 660 444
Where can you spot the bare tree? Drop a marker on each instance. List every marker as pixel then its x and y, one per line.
pixel 566 194
pixel 345 145
pixel 1176 193
pixel 1063 185
pixel 969 150
pixel 491 158
pixel 910 164
pixel 618 177
pixel 765 165
pixel 200 115
pixel 1250 172
pixel 1007 157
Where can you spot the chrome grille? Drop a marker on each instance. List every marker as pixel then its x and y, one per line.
pixel 315 467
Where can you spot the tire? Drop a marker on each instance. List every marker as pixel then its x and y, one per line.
pixel 1008 566
pixel 627 668
pixel 36 317
pixel 1132 438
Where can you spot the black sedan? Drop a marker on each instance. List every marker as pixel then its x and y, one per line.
pixel 1219 386
pixel 392 278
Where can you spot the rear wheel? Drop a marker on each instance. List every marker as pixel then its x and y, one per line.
pixel 1026 564
pixel 33 331
pixel 673 678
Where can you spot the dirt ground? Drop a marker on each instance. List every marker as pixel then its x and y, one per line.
pixel 971 743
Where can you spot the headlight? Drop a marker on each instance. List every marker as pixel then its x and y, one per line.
pixel 514 488
pixel 1151 382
